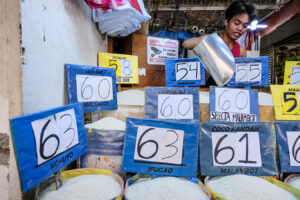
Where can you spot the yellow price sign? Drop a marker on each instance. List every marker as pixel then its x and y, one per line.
pixel 126 66
pixel 292 73
pixel 286 101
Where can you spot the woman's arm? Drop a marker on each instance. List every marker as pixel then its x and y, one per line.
pixel 192 42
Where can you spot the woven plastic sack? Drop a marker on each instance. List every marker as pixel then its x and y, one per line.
pixel 104 149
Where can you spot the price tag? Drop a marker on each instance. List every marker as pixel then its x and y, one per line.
pixel 184 72
pixel 160 143
pixel 172 103
pixel 160 147
pixel 288 141
pixel 235 148
pixel 232 149
pixel 233 105
pixel 159 49
pixel 126 66
pixel 175 106
pixel 95 87
pixel 292 73
pixel 286 101
pixel 47 141
pixel 250 72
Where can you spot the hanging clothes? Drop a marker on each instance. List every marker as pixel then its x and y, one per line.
pixel 121 20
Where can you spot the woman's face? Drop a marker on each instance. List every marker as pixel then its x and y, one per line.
pixel 237 26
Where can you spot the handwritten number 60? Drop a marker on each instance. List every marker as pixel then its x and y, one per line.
pixel 227 104
pixel 101 83
pixel 182 104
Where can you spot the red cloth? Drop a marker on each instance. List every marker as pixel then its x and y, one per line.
pixel 236 50
pixel 249 39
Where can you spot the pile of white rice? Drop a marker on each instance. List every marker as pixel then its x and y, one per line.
pixel 295 182
pixel 237 187
pixel 86 187
pixel 165 188
pixel 107 123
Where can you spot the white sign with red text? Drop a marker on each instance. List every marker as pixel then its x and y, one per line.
pixel 159 49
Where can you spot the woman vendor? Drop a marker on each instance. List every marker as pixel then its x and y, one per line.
pixel 237 18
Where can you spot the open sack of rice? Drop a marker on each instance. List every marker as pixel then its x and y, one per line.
pixel 143 187
pixel 237 187
pixel 105 139
pixel 84 184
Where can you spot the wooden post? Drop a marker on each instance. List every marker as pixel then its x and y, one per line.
pixel 10 94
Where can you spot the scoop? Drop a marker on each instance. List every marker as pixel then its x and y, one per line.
pixel 216 57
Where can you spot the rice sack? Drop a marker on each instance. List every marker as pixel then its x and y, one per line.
pixel 165 188
pixel 105 139
pixel 245 187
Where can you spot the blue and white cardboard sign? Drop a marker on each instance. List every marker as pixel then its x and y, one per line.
pixel 233 105
pixel 161 147
pixel 184 72
pixel 237 148
pixel 250 72
pixel 288 144
pixel 95 87
pixel 47 141
pixel 172 103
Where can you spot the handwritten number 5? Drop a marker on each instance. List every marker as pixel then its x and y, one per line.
pixel 254 69
pixel 286 99
pixel 177 70
pixel 113 64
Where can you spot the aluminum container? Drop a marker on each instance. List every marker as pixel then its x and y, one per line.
pixel 216 57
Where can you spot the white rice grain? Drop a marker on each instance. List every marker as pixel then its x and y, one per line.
pixel 86 187
pixel 237 187
pixel 165 188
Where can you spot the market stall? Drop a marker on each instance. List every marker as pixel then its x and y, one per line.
pixel 145 123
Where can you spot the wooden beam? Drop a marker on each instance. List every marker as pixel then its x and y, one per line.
pixel 10 91
pixel 211 8
pixel 274 20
